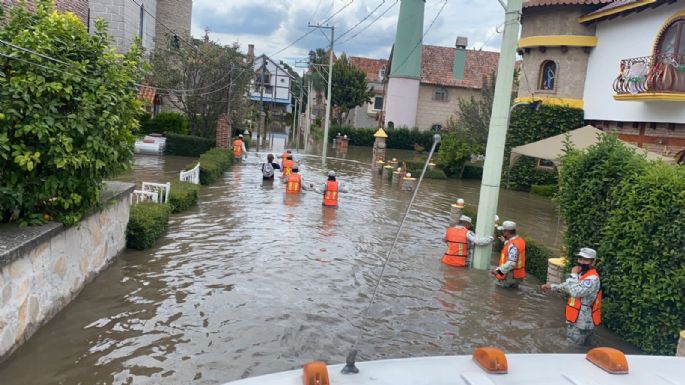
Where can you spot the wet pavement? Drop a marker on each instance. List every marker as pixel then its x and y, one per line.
pixel 252 281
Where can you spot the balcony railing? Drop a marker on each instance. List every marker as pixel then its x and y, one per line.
pixel 660 74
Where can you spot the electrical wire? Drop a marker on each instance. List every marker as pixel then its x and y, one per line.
pixel 360 21
pixel 372 22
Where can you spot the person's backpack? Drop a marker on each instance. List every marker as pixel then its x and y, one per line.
pixel 268 170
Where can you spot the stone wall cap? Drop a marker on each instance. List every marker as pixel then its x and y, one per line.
pixel 682 334
pixel 561 262
pixel 15 241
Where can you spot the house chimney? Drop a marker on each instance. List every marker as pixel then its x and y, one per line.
pixel 250 53
pixel 460 58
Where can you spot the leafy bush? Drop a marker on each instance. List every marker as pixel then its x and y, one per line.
pixel 435 173
pixel 147 222
pixel 165 122
pixel 183 196
pixel 213 163
pixel 525 174
pixel 641 259
pixel 472 171
pixel 398 138
pixel 453 153
pixel 545 190
pixel 585 184
pixel 537 256
pixel 529 126
pixel 187 145
pixel 64 128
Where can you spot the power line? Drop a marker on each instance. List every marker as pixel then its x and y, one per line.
pixel 372 22
pixel 361 21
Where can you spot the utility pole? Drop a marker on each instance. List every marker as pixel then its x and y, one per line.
pixel 494 153
pixel 328 97
pixel 262 118
pixel 308 126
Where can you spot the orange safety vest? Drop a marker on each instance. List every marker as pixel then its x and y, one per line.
pixel 457 247
pixel 520 269
pixel 574 304
pixel 237 148
pixel 294 185
pixel 330 196
pixel 288 167
pixel 284 157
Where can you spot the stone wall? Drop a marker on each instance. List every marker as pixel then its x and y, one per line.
pixel 43 268
pixel 571 72
pixel 554 20
pixel 175 15
pixel 78 7
pixel 123 20
pixel 432 112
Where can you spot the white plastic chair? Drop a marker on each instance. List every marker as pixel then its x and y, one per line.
pixel 162 189
pixel 192 176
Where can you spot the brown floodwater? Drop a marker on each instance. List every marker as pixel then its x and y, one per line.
pixel 251 282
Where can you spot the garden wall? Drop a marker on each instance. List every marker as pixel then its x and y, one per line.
pixel 43 268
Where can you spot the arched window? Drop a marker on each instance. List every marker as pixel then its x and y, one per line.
pixel 548 76
pixel 672 39
pixel 440 94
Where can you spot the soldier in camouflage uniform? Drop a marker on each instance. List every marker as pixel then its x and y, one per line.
pixel 584 304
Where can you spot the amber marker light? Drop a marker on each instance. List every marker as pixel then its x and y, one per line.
pixel 609 359
pixel 492 360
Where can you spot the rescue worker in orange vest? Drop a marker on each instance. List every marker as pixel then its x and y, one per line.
pixel 239 150
pixel 293 183
pixel 584 305
pixel 284 156
pixel 288 165
pixel 330 190
pixel 512 261
pixel 460 243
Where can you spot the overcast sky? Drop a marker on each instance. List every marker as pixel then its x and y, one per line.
pixel 271 25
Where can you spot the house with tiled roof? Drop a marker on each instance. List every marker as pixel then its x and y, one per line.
pixel 424 82
pixel 368 114
pixel 621 61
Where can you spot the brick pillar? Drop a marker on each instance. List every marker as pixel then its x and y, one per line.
pixel 223 132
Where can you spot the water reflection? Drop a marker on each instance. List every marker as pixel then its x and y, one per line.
pixel 253 281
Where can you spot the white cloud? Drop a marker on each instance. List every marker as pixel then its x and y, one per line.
pixel 272 25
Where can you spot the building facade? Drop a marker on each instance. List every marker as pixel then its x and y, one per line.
pixel 367 115
pixel 622 61
pixel 126 20
pixel 79 7
pixel 271 86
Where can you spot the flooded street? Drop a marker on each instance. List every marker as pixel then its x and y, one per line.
pixel 251 282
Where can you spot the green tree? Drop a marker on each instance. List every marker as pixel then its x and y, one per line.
pixel 210 70
pixel 66 117
pixel 350 88
pixel 474 114
pixel 456 147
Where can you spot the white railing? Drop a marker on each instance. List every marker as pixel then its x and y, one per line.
pixel 162 189
pixel 139 196
pixel 192 176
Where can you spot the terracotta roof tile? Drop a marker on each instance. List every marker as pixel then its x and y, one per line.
pixel 371 67
pixel 147 93
pixel 542 3
pixel 614 4
pixel 437 65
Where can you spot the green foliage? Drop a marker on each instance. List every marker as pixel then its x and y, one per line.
pixel 474 114
pixel 631 211
pixel 398 138
pixel 187 145
pixel 349 86
pixel 147 222
pixel 455 151
pixel 525 174
pixel 435 173
pixel 585 183
pixel 641 259
pixel 166 122
pixel 529 126
pixel 537 256
pixel 64 128
pixel 472 171
pixel 213 163
pixel 545 190
pixel 183 196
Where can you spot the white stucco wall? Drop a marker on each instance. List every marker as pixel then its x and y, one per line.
pixel 622 38
pixel 280 82
pixel 402 101
pixel 123 20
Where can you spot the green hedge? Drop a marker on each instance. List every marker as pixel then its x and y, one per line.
pixel 524 174
pixel 187 145
pixel 213 163
pixel 165 122
pixel 545 190
pixel 537 256
pixel 398 138
pixel 183 196
pixel 472 171
pixel 631 211
pixel 147 222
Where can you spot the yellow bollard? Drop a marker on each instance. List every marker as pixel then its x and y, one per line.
pixel 387 171
pixel 681 345
pixel 408 183
pixel 456 209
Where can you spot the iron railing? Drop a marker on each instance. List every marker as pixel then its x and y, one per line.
pixel 650 74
